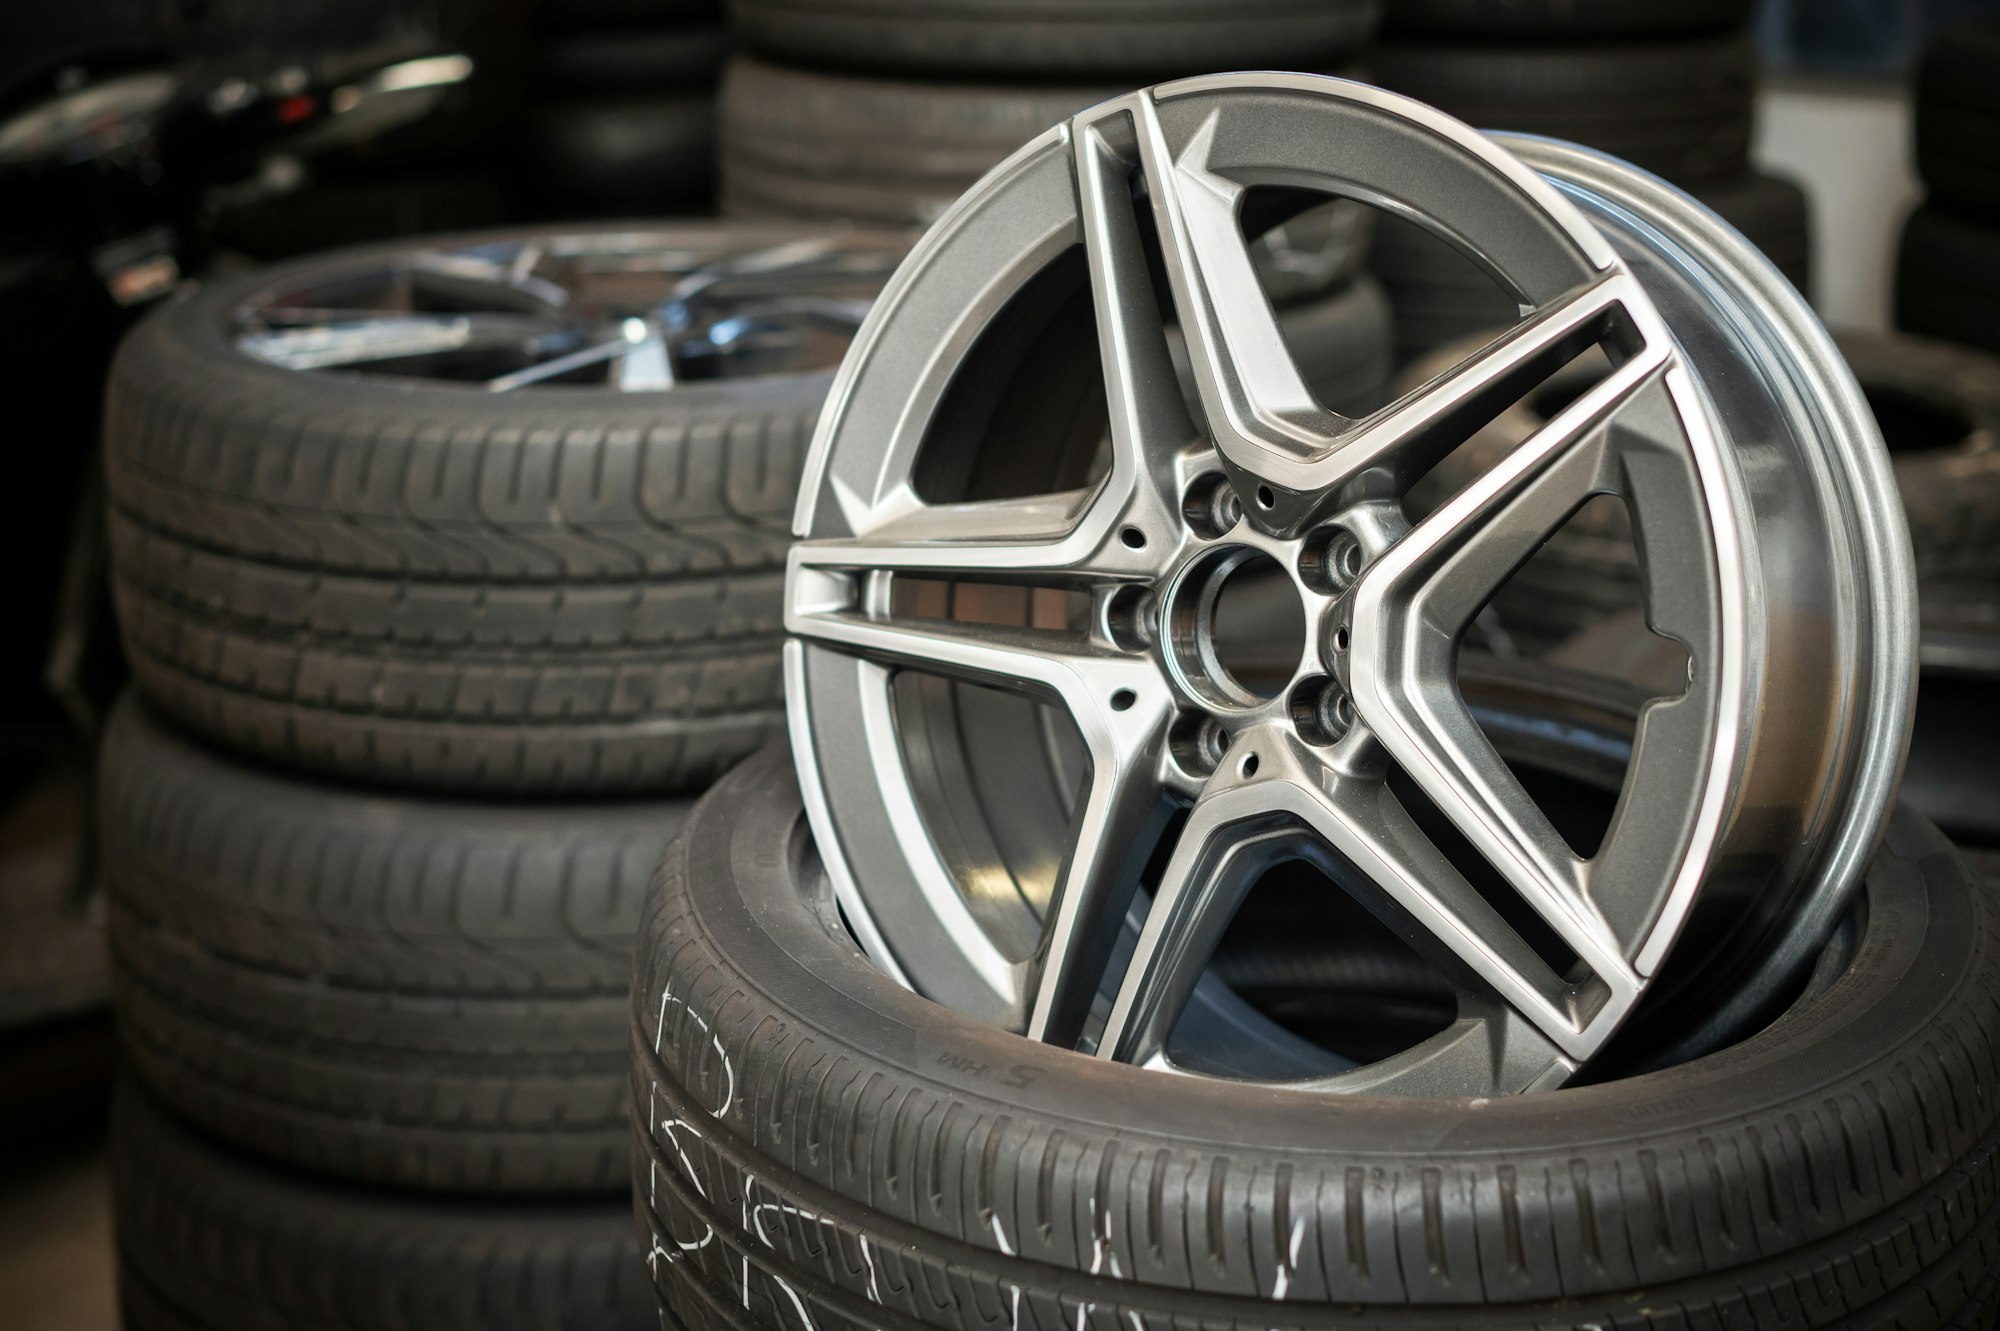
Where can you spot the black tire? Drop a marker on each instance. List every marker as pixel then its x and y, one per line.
pixel 806 144
pixel 1939 409
pixel 798 143
pixel 1543 20
pixel 1136 41
pixel 632 155
pixel 850 1145
pixel 1438 295
pixel 212 1241
pixel 1680 109
pixel 1948 277
pixel 616 15
pixel 411 991
pixel 52 957
pixel 1344 345
pixel 321 215
pixel 666 60
pixel 406 581
pixel 1772 214
pixel 1958 115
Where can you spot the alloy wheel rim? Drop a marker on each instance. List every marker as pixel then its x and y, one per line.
pixel 1300 771
pixel 635 309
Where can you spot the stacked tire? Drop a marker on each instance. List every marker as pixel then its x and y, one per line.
pixel 1664 84
pixel 1948 272
pixel 819 1147
pixel 885 111
pixel 424 678
pixel 622 115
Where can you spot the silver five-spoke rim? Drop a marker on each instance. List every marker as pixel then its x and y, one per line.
pixel 1260 471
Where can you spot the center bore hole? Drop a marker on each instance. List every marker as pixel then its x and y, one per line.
pixel 1255 626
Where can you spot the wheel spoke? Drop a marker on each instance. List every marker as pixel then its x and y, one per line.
pixel 1409 611
pixel 1148 416
pixel 1414 434
pixel 1123 811
pixel 1258 406
pixel 1049 539
pixel 1356 831
pixel 560 365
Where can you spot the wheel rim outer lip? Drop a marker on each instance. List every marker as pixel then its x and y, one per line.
pixel 1771 309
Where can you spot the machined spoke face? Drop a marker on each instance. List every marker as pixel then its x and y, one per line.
pixel 1293 806
pixel 1411 608
pixel 1256 401
pixel 1220 588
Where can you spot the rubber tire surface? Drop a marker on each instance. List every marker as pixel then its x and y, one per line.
pixel 1772 214
pixel 1531 20
pixel 1951 493
pixel 52 958
pixel 411 991
pixel 1680 109
pixel 665 60
pixel 799 143
pixel 213 1241
pixel 599 15
pixel 870 1159
pixel 1948 277
pixel 1344 345
pixel 636 154
pixel 1958 115
pixel 323 215
pixel 1134 41
pixel 559 591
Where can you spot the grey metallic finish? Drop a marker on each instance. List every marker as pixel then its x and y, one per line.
pixel 1119 634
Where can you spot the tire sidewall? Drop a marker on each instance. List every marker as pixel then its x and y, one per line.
pixel 746 849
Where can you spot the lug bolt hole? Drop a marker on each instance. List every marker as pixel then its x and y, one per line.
pixel 1128 621
pixel 1122 700
pixel 1321 711
pixel 1210 506
pixel 1331 560
pixel 1198 743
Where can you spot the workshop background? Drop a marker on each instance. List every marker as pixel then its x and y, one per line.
pixel 230 844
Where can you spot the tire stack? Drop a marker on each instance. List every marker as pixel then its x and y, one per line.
pixel 1665 84
pixel 819 1147
pixel 887 110
pixel 1948 272
pixel 422 678
pixel 622 114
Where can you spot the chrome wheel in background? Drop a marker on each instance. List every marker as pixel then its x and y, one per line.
pixel 1046 584
pixel 637 309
